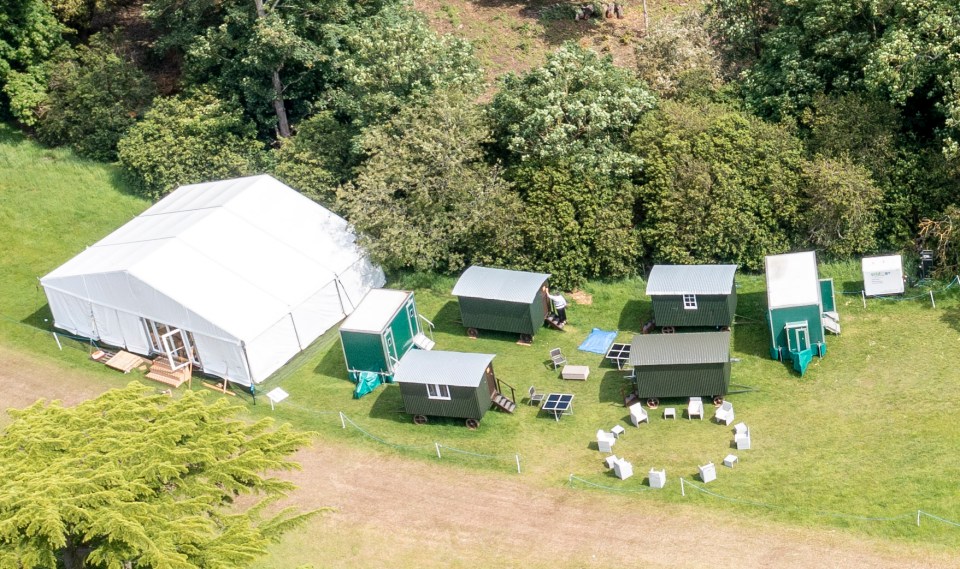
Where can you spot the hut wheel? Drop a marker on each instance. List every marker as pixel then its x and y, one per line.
pixel 472 424
pixel 653 403
pixel 718 400
pixel 473 333
pixel 419 419
pixel 526 339
pixel 668 330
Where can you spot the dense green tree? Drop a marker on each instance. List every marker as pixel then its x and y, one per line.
pixel 578 108
pixel 677 58
pixel 93 98
pixel 189 139
pixel 719 185
pixel 135 479
pixel 30 35
pixel 424 198
pixel 318 158
pixel 841 207
pixel 577 224
pixel 380 63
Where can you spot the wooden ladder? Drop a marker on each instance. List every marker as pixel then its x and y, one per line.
pixel 503 402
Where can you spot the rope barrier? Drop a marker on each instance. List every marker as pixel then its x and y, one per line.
pixel 602 487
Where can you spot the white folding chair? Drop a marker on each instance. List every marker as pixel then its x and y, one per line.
pixel 557 357
pixel 534 396
pixel 724 413
pixel 695 407
pixel 638 415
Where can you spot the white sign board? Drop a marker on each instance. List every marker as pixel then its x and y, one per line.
pixel 883 275
pixel 792 280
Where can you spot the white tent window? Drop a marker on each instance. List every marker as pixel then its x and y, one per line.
pixel 277 271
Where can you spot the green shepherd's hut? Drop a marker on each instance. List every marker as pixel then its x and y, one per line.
pixel 448 384
pixel 502 300
pixel 693 295
pixel 383 328
pixel 695 364
pixel 795 308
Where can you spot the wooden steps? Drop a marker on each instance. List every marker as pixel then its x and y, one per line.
pixel 160 371
pixel 124 361
pixel 503 402
pixel 554 322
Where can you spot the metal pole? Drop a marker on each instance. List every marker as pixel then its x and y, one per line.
pixel 863 295
pixel 343 424
pixel 438 449
pixel 59 345
pixel 918 518
pixel 932 302
pixel 518 464
pixel 682 490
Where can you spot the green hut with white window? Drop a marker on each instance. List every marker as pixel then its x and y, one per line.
pixel 693 295
pixel 384 327
pixel 502 300
pixel 799 306
pixel 446 384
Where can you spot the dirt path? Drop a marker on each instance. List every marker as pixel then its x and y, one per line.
pixel 401 513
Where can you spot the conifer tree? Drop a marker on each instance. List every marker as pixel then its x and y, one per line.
pixel 134 479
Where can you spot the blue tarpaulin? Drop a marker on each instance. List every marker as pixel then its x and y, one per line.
pixel 598 342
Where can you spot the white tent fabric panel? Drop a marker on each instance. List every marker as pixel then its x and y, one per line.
pixel 270 350
pixel 108 325
pixel 134 334
pixel 792 280
pixel 356 280
pixel 318 313
pixel 222 358
pixel 71 313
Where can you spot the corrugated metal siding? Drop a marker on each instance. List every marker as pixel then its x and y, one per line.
pixel 464 402
pixel 499 284
pixel 778 318
pixel 680 349
pixel 690 279
pixel 363 351
pixel 705 380
pixel 501 316
pixel 712 310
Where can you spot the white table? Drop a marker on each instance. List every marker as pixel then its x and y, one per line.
pixel 670 413
pixel 617 430
pixel 730 460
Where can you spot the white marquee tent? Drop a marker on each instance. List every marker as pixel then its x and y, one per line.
pixel 235 276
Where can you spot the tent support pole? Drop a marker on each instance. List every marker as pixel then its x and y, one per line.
pixel 295 332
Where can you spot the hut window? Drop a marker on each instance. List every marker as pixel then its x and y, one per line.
pixel 438 391
pixel 690 301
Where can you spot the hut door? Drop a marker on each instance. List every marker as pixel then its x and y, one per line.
pixel 412 319
pixel 177 348
pixel 798 338
pixel 391 345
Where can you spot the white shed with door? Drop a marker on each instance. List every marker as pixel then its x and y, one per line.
pixel 234 277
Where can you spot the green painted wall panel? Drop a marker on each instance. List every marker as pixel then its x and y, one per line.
pixel 826 295
pixel 502 316
pixel 705 380
pixel 778 318
pixel 363 351
pixel 404 328
pixel 464 402
pixel 712 310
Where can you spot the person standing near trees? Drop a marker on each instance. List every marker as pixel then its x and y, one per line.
pixel 559 305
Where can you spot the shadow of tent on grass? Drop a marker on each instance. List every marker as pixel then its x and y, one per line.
pixel 41 319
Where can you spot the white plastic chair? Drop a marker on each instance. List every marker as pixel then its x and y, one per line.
pixel 724 413
pixel 557 357
pixel 742 439
pixel 622 469
pixel 708 472
pixel 658 478
pixel 610 460
pixel 638 415
pixel 695 407
pixel 605 441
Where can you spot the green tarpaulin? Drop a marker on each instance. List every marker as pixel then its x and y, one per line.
pixel 366 382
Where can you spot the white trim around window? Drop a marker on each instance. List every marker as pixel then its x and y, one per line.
pixel 438 391
pixel 690 302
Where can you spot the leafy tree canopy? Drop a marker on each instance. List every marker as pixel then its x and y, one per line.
pixel 29 36
pixel 425 199
pixel 93 98
pixel 719 185
pixel 578 108
pixel 142 480
pixel 189 139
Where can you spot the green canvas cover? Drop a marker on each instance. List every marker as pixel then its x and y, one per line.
pixel 366 382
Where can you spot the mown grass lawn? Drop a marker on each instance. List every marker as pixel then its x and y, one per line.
pixel 869 432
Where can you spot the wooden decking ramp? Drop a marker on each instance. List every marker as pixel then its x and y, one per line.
pixel 124 361
pixel 161 371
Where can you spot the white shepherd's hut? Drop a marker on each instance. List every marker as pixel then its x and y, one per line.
pixel 233 277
